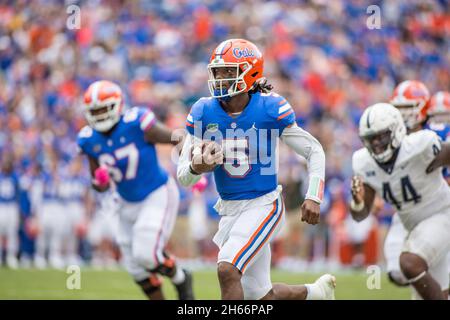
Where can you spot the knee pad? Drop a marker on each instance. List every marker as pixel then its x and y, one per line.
pixel 150 284
pixel 167 267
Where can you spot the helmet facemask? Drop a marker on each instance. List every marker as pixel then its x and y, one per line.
pixel 410 114
pixel 380 145
pixel 227 86
pixel 102 117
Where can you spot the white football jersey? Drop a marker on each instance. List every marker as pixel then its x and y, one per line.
pixel 415 194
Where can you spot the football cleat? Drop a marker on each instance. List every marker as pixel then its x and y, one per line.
pixel 184 289
pixel 322 288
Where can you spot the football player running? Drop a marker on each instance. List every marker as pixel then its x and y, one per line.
pixel 234 134
pixel 439 119
pixel 412 98
pixel 121 150
pixel 403 170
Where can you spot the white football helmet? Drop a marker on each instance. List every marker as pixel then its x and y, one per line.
pixel 381 128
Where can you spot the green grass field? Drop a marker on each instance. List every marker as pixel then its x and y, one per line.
pixel 51 284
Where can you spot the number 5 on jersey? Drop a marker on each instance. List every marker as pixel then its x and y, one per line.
pixel 236 163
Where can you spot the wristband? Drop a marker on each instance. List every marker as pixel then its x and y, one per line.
pixel 356 207
pixel 315 189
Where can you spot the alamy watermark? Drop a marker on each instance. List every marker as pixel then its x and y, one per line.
pixel 73 281
pixel 374 277
pixel 374 20
pixel 73 21
pixel 241 148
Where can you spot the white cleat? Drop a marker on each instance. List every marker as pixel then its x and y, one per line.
pixel 322 288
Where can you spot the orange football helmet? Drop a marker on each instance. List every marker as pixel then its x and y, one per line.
pixel 439 110
pixel 412 99
pixel 103 105
pixel 246 60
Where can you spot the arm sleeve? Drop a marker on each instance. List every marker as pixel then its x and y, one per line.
pixel 305 145
pixel 184 174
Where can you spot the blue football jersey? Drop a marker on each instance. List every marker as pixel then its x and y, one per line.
pixel 9 188
pixel 133 162
pixel 443 131
pixel 248 140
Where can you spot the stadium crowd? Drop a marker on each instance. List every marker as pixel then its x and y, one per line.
pixel 319 54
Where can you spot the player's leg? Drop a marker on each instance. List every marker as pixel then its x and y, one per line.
pixel 392 249
pixel 42 238
pixel 245 235
pixel 151 233
pixel 12 237
pixel 424 248
pixel 150 284
pixel 230 281
pixel 415 269
pixel 256 282
pixel 439 272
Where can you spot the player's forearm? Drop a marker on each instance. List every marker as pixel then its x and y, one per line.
pixel 184 173
pixel 98 188
pixel 442 159
pixel 186 177
pixel 159 133
pixel 444 155
pixel 305 145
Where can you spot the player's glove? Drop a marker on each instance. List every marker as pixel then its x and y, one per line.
pixel 357 189
pixel 101 177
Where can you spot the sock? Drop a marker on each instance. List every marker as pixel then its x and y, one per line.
pixel 178 276
pixel 314 292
